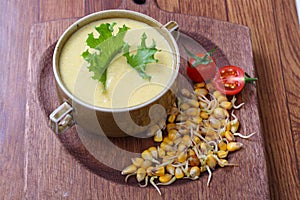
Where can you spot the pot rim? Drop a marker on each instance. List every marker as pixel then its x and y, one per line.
pixel 84 21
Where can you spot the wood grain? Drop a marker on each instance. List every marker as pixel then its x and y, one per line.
pixel 289 43
pixel 259 16
pixel 55 167
pixel 169 7
pixel 275 40
pixel 212 9
pixel 95 6
pixel 14 45
pixel 53 9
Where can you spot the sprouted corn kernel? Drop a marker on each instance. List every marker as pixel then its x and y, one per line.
pixel 146 164
pixel 179 173
pixel 229 136
pixel 185 92
pixel 222 145
pixel 199 136
pixel 165 178
pixel 199 85
pixel 170 169
pixel 171 118
pixel 137 161
pixel 184 106
pixel 140 174
pixel 195 171
pixel 234 146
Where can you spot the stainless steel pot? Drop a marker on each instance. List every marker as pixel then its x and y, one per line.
pixel 113 122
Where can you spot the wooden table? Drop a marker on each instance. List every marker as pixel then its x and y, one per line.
pixel 275 35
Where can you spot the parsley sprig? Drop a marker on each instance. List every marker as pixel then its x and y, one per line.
pixel 107 46
pixel 143 56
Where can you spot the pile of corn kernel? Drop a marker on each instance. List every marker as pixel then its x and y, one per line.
pixel 197 136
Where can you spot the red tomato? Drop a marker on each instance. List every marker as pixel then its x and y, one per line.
pixel 201 70
pixel 230 80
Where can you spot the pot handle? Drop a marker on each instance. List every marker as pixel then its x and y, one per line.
pixel 61 119
pixel 171 26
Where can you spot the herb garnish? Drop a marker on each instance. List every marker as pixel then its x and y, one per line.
pixel 143 56
pixel 107 46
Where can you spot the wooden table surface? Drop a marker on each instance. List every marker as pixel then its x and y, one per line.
pixel 275 35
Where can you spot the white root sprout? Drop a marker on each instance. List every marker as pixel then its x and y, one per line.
pixel 154 185
pixel 244 136
pixel 126 178
pixel 146 182
pixel 233 103
pixel 209 175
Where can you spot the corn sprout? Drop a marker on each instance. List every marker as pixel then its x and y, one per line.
pixel 196 137
pixel 244 136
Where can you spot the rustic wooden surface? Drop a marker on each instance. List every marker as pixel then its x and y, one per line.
pixel 275 39
pixel 42 100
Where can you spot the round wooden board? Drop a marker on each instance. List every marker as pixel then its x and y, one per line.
pixel 49 100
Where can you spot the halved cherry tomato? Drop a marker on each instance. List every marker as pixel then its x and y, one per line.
pixel 201 67
pixel 230 80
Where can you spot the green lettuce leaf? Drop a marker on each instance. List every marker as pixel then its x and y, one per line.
pixel 106 47
pixel 143 56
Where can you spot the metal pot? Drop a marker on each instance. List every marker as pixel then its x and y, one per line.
pixel 113 122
